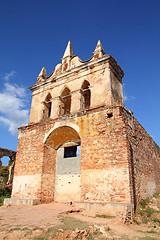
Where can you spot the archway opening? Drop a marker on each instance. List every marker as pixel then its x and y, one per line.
pixel 65 99
pixel 62 135
pixel 85 95
pixel 6 169
pixel 66 141
pixel 47 106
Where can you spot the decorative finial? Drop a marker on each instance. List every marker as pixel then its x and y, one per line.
pixel 99 48
pixel 69 51
pixel 43 73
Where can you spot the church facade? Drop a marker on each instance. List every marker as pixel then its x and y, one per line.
pixel 81 144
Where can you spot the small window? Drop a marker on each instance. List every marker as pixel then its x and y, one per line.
pixel 109 115
pixel 49 108
pixel 73 151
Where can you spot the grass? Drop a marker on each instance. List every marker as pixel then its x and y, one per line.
pixel 151 231
pixel 156 195
pixel 144 202
pixel 68 226
pixel 145 211
pixel 156 220
pixel 104 216
pixel 147 238
pixel 72 224
pixel 148 212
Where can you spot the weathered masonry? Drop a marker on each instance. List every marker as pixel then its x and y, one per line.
pixel 81 144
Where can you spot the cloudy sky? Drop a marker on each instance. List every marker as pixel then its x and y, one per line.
pixel 35 34
pixel 12 105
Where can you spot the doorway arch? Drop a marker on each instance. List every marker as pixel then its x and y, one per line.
pixel 66 141
pixel 61 135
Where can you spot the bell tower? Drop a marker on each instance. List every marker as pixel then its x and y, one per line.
pixel 75 85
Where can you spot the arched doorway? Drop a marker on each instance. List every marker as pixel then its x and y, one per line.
pixel 65 102
pixel 85 95
pixel 66 141
pixel 47 106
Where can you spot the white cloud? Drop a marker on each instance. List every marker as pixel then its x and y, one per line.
pixel 14 90
pixel 128 98
pixel 9 75
pixel 12 107
pixel 125 98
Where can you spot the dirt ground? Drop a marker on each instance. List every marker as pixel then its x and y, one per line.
pixel 53 221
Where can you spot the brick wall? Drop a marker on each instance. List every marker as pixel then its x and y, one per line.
pixel 144 159
pixel 104 158
pixel 119 160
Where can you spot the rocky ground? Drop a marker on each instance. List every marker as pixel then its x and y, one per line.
pixel 62 221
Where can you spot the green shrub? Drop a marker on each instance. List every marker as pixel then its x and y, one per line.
pixel 149 211
pixel 10 162
pixel 156 220
pixel 144 202
pixel 4 173
pixel 4 193
pixel 157 195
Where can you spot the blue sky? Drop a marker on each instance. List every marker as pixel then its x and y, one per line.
pixel 35 34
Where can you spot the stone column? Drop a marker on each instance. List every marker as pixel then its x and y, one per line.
pixel 11 173
pixel 55 107
pixel 75 101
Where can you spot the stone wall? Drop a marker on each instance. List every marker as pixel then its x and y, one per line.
pixel 144 159
pixel 9 153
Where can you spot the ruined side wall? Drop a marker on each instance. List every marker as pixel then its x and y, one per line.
pixel 7 152
pixel 144 159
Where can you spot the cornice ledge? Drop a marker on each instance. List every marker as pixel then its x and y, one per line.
pixel 69 72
